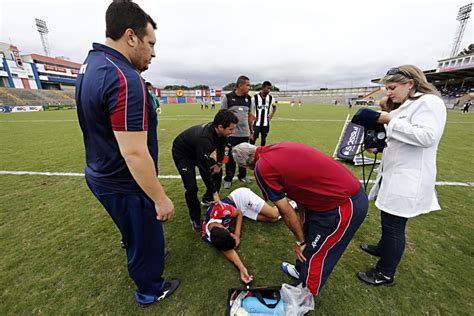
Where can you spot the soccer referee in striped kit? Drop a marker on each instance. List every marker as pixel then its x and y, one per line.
pixel 331 203
pixel 262 102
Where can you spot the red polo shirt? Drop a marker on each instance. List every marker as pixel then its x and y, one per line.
pixel 300 172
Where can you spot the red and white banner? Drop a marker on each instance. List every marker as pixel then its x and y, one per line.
pixel 202 93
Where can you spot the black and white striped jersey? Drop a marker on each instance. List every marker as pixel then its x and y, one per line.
pixel 263 108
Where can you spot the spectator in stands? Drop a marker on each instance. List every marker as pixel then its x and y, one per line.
pixel 405 185
pixel 121 145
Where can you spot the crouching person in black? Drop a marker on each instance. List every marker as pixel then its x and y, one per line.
pixel 192 148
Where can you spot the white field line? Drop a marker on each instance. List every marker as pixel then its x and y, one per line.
pixel 77 174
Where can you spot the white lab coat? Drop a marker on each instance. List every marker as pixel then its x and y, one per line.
pixel 405 185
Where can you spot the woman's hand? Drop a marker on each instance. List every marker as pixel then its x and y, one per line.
pixel 384 118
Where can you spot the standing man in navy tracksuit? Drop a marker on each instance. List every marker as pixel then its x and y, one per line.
pixel 331 203
pixel 118 123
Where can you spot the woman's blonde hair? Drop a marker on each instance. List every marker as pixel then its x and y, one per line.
pixel 402 74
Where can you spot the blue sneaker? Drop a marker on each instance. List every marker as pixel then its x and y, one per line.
pixel 290 270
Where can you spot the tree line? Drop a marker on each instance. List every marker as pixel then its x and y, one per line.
pixel 228 87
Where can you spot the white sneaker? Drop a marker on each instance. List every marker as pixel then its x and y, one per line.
pixel 290 270
pixel 246 180
pixel 227 185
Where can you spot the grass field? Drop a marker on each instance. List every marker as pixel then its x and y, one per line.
pixel 61 252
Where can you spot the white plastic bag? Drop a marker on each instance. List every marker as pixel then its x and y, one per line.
pixel 298 300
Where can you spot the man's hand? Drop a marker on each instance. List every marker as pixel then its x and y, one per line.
pixel 245 276
pixel 164 209
pixel 251 137
pixel 215 169
pixel 237 240
pixel 217 200
pixel 299 252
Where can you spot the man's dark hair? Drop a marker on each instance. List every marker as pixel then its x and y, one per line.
pixel 221 239
pixel 241 80
pixel 124 14
pixel 266 84
pixel 225 118
pixel 148 84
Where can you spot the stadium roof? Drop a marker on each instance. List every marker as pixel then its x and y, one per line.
pixel 55 61
pixel 455 74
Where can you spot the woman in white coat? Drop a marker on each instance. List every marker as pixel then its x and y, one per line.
pixel 405 185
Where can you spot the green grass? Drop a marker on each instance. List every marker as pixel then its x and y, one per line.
pixel 61 252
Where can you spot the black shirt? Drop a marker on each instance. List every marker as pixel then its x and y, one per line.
pixel 196 144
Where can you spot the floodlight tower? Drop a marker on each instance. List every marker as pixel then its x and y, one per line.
pixel 43 31
pixel 463 15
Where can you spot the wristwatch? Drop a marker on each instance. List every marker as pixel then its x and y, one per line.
pixel 300 243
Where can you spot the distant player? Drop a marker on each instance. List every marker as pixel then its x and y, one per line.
pixel 292 102
pixel 262 102
pixel 466 106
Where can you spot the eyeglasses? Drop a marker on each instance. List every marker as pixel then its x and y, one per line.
pixel 393 71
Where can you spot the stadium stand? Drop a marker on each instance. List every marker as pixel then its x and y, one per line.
pixel 30 97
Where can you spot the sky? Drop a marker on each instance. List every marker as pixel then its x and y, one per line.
pixel 295 44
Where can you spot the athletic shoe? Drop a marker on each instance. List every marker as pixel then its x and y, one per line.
pixel 376 278
pixel 290 270
pixel 168 289
pixel 370 249
pixel 246 180
pixel 227 185
pixel 196 226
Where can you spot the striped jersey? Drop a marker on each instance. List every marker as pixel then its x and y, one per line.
pixel 263 107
